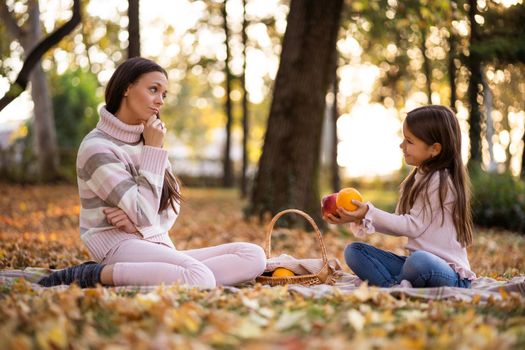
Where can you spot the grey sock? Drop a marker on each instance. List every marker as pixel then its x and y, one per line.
pixel 85 275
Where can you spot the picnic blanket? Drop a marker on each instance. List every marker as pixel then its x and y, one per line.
pixel 482 289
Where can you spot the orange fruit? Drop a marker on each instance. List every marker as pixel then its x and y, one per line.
pixel 345 196
pixel 282 272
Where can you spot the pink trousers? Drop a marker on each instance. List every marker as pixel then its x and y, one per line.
pixel 140 262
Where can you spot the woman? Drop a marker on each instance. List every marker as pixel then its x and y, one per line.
pixel 130 199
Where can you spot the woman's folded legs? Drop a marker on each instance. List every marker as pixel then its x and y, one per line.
pixel 232 263
pixel 140 262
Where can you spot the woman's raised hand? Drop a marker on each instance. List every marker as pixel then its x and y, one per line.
pixel 118 218
pixel 154 131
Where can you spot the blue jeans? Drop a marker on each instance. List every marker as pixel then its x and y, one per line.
pixel 385 269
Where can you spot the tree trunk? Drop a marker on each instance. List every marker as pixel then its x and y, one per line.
pixel 133 28
pixel 44 135
pixel 452 55
pixel 452 71
pixel 245 116
pixel 45 142
pixel 474 65
pixel 227 180
pixel 427 68
pixel 487 102
pixel 522 172
pixel 289 165
pixel 336 180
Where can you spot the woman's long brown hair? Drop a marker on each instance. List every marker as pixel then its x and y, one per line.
pixel 126 74
pixel 438 124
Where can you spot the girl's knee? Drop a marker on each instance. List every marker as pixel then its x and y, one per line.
pixel 420 261
pixel 424 269
pixel 355 246
pixel 353 253
pixel 421 257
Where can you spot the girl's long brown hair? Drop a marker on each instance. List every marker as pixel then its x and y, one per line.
pixel 438 124
pixel 126 74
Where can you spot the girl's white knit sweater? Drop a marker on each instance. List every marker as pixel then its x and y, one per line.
pixel 424 227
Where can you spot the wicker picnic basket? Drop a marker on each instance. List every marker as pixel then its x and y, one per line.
pixel 325 274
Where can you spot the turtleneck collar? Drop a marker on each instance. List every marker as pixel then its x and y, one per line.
pixel 114 127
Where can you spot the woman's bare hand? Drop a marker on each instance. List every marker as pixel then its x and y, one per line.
pixel 154 131
pixel 118 218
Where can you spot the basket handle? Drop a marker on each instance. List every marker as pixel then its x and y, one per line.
pixel 268 243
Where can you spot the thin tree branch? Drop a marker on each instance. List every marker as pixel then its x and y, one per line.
pixel 36 54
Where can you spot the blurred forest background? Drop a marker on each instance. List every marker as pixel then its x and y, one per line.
pixel 284 100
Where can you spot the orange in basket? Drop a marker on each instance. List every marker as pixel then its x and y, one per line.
pixel 282 272
pixel 326 275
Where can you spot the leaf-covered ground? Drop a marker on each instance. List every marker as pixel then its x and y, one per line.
pixel 39 227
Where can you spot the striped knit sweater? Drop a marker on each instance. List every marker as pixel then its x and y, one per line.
pixel 116 169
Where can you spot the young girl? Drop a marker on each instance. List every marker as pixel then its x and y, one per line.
pixel 433 211
pixel 129 198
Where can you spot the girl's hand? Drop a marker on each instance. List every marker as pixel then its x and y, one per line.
pixel 118 218
pixel 154 131
pixel 334 220
pixel 356 215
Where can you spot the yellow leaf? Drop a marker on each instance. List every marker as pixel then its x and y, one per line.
pixel 52 335
pixel 413 343
pixel 413 315
pixel 186 318
pixel 266 312
pixel 380 332
pixel 250 303
pixel 444 338
pixel 147 300
pixel 487 332
pixel 289 319
pixel 247 329
pixel 356 320
pixel 363 292
pixel 503 293
pixel 20 342
pixel 191 324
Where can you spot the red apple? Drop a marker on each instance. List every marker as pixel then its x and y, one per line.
pixel 329 206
